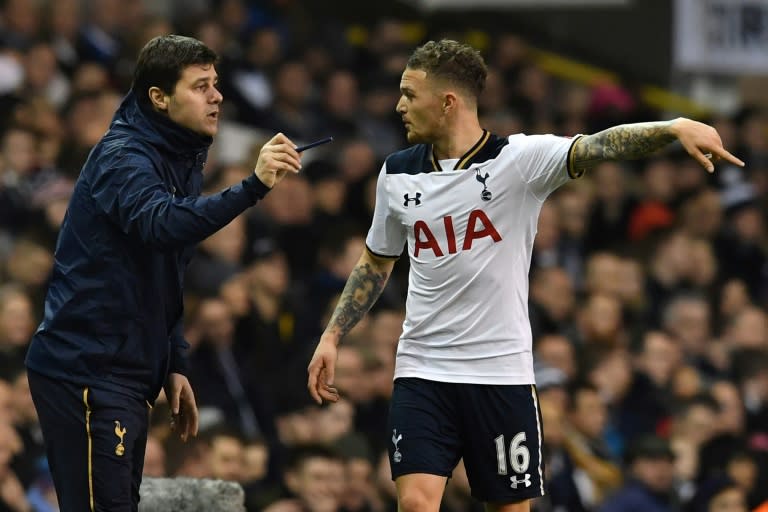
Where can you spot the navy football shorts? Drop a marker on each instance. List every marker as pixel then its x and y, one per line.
pixel 496 428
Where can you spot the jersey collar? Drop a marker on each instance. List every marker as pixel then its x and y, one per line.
pixel 466 158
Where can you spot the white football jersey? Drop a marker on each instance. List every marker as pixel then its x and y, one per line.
pixel 469 224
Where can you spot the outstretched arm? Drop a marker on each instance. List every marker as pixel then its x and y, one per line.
pixel 633 141
pixel 363 288
pixel 130 191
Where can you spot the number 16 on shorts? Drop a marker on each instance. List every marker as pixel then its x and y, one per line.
pixel 519 459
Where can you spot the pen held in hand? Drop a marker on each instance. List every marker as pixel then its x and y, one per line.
pixel 313 144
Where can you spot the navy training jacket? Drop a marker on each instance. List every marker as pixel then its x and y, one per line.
pixel 113 312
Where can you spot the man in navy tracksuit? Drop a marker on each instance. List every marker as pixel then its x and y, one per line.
pixel 112 334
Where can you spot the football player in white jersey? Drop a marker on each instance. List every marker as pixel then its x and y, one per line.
pixel 466 203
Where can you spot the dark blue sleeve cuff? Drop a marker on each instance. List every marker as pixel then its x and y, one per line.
pixel 179 361
pixel 255 187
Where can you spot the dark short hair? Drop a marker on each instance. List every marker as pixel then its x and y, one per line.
pixel 300 454
pixel 648 446
pixel 576 388
pixel 458 63
pixel 164 58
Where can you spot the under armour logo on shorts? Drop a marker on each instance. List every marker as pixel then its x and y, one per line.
pixel 514 482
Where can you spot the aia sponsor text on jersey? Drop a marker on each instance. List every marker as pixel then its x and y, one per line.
pixel 478 226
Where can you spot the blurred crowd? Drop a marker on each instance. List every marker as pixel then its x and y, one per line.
pixel 648 290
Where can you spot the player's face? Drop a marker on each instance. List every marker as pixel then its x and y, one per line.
pixel 420 106
pixel 195 101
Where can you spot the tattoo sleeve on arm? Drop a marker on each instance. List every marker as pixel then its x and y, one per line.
pixel 624 142
pixel 363 287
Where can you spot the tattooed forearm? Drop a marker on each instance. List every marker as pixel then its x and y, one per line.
pixel 363 288
pixel 624 142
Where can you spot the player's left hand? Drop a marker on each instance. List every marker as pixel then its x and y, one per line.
pixel 321 370
pixel 184 416
pixel 702 142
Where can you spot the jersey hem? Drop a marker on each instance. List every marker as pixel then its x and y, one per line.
pixel 467 379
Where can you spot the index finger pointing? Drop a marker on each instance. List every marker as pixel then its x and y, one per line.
pixel 723 153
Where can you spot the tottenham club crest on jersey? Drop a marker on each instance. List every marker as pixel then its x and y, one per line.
pixel 485 195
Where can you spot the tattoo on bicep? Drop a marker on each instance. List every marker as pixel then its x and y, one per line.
pixel 363 287
pixel 624 142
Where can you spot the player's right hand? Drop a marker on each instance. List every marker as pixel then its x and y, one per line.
pixel 277 158
pixel 321 370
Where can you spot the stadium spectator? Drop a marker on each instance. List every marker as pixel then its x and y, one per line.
pixel 650 485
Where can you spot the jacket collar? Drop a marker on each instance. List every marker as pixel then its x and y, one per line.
pixel 157 129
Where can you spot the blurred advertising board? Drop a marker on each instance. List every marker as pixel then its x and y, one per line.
pixel 721 36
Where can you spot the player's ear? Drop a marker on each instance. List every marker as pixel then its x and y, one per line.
pixel 158 98
pixel 449 102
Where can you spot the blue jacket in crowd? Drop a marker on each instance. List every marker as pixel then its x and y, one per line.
pixel 636 497
pixel 113 312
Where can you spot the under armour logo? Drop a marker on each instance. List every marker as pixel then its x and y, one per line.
pixel 397 456
pixel 514 481
pixel 485 195
pixel 416 199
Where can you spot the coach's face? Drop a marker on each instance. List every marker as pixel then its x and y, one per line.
pixel 195 101
pixel 421 106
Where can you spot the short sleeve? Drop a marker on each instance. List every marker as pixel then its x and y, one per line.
pixel 545 163
pixel 387 236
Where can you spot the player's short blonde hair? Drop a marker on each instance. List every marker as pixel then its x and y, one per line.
pixel 458 63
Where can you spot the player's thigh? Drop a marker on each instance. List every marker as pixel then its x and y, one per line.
pixel 423 428
pixel 118 430
pixel 420 492
pixel 502 443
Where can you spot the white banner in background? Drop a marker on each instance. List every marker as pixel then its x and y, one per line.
pixel 723 36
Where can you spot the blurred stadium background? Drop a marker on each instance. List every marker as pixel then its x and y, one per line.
pixel 649 281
